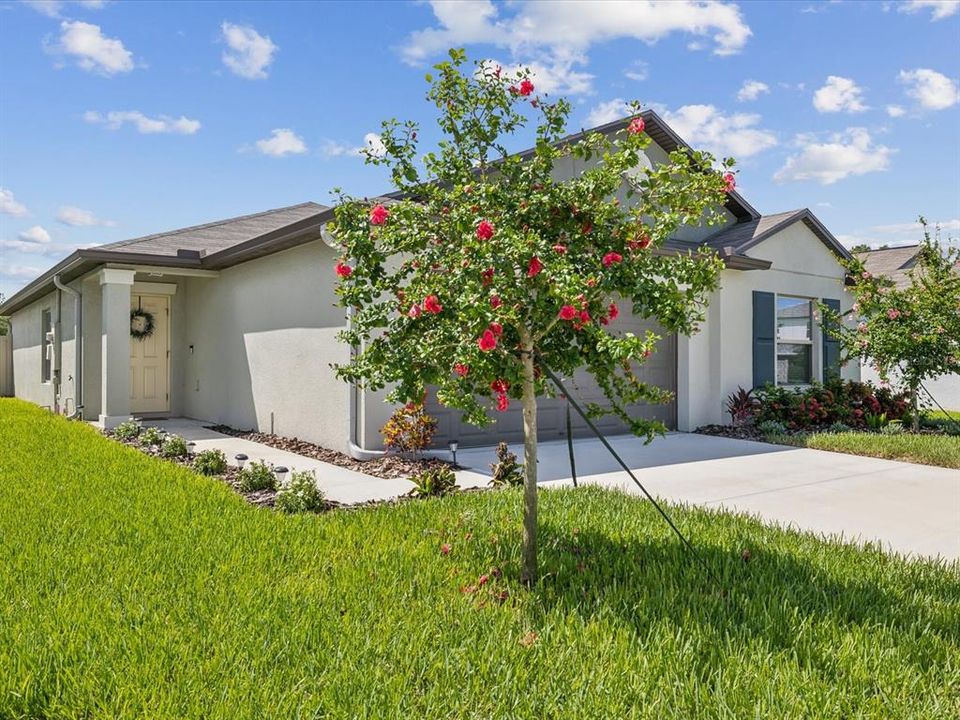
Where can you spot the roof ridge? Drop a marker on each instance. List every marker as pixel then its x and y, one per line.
pixel 887 249
pixel 204 226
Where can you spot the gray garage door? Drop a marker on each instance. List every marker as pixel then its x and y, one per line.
pixel 660 370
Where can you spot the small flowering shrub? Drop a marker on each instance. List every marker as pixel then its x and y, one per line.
pixel 256 476
pixel 434 482
pixel 820 406
pixel 152 437
pixel 300 494
pixel 127 430
pixel 174 446
pixel 410 429
pixel 210 462
pixel 507 472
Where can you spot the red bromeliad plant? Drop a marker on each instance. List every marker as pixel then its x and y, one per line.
pixel 485 268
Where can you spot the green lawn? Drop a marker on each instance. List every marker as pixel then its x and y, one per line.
pixel 134 588
pixel 941 450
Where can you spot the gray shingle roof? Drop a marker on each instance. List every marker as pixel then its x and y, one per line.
pixel 891 262
pixel 744 235
pixel 213 237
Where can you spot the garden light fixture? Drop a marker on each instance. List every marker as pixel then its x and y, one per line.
pixel 453 451
pixel 281 472
pixel 241 459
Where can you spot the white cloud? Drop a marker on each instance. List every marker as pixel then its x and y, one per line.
pixel 554 75
pixel 907 233
pixel 144 124
pixel 36 234
pixel 249 53
pixel 53 8
pixel 705 127
pixel 931 89
pixel 895 111
pixel 371 143
pixel 850 153
pixel 751 90
pixel 282 141
pixel 21 271
pixel 840 94
pixel 940 8
pixel 9 204
pixel 607 112
pixel 557 35
pixel 77 217
pixel 92 50
pixel 638 71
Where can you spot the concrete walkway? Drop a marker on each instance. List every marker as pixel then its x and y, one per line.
pixel 907 508
pixel 338 483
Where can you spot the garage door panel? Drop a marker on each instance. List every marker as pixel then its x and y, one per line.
pixel 659 370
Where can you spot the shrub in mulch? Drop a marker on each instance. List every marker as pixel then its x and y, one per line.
pixel 387 466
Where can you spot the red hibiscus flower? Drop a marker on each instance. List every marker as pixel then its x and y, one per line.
pixel 502 403
pixel 560 249
pixel 640 243
pixel 487 341
pixel 496 328
pixel 495 302
pixel 526 87
pixel 461 369
pixel 586 228
pixel 729 182
pixel 568 312
pixel 534 268
pixel 445 549
pixel 636 126
pixel 344 270
pixel 499 386
pixel 379 215
pixel 893 313
pixel 431 304
pixel 612 257
pixel 584 317
pixel 487 276
pixel 414 311
pixel 613 311
pixel 484 230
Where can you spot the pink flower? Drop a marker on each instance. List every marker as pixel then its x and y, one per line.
pixel 487 276
pixel 496 328
pixel 534 267
pixel 484 230
pixel 612 257
pixel 499 385
pixel 344 270
pixel 729 182
pixel 568 312
pixel 865 275
pixel 483 580
pixel 636 126
pixel 893 313
pixel 431 304
pixel 487 341
pixel 526 87
pixel 862 327
pixel 502 403
pixel 613 311
pixel 560 249
pixel 414 311
pixel 495 302
pixel 379 215
pixel 445 549
pixel 461 369
pixel 584 317
pixel 640 243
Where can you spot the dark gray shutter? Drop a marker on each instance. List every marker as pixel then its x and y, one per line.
pixel 831 346
pixel 764 338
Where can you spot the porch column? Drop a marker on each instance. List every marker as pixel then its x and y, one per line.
pixel 115 346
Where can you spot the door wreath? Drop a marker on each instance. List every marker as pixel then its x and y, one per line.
pixel 141 324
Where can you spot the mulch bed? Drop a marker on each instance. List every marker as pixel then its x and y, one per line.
pixel 387 466
pixel 739 432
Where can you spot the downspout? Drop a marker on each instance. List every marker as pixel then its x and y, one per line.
pixel 77 344
pixel 356 451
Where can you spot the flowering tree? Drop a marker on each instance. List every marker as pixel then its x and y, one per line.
pixel 484 268
pixel 913 331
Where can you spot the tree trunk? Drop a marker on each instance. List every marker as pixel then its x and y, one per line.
pixel 915 413
pixel 528 570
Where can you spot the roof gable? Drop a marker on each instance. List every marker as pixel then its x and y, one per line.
pixel 743 236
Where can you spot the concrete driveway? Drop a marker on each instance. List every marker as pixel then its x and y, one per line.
pixel 913 509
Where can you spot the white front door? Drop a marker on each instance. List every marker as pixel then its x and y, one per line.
pixel 150 357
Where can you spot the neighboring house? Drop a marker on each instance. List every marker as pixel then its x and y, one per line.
pixel 896 263
pixel 245 326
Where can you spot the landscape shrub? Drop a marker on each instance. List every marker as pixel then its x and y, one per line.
pixel 894 428
pixel 507 472
pixel 174 446
pixel 434 482
pixel 151 437
pixel 821 405
pixel 409 429
pixel 839 427
pixel 772 427
pixel 127 430
pixel 257 476
pixel 300 494
pixel 742 406
pixel 210 462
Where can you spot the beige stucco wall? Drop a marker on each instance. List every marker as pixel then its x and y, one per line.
pixel 258 341
pixel 720 358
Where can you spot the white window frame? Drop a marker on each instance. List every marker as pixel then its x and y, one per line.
pixel 815 369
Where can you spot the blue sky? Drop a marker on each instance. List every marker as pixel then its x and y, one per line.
pixel 119 119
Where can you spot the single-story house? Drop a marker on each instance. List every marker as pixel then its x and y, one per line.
pixel 244 326
pixel 896 264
